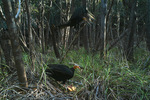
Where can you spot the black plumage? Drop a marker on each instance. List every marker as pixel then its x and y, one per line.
pixel 78 16
pixel 60 72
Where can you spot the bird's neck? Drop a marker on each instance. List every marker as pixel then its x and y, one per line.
pixel 72 69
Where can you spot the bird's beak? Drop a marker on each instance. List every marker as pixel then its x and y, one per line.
pixel 79 67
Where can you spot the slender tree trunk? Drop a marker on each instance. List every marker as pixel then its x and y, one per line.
pixel 0 54
pixel 118 17
pixel 42 26
pixel 39 25
pixel 71 31
pixel 85 32
pixel 53 31
pixel 47 35
pixel 132 31
pixel 2 71
pixel 7 50
pixel 103 28
pixel 85 39
pixel 148 26
pixel 30 34
pixel 66 35
pixel 14 37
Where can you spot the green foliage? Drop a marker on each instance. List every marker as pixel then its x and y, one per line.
pixel 126 80
pixel 118 78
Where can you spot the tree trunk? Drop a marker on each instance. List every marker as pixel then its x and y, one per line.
pixel 103 28
pixel 132 28
pixel 47 35
pixel 148 26
pixel 30 34
pixel 7 50
pixel 85 38
pixel 118 17
pixel 14 37
pixel 71 30
pixel 55 47
pixel 42 26
pixel 85 32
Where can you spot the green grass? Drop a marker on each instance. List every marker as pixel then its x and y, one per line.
pixel 118 77
pixel 110 78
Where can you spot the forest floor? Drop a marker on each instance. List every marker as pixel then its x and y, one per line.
pixel 112 78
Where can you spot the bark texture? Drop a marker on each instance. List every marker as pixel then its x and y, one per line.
pixel 14 38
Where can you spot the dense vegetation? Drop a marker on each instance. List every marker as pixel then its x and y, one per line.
pixel 113 49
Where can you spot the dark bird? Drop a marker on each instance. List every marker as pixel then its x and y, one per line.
pixel 61 72
pixel 80 14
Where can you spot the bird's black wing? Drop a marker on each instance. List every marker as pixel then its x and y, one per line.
pixel 62 69
pixel 76 17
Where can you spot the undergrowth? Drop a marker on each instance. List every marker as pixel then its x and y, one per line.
pixel 118 78
pixel 111 78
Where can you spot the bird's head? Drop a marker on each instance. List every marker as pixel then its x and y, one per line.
pixel 89 17
pixel 77 66
pixel 84 18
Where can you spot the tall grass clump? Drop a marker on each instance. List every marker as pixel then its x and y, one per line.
pixel 113 77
